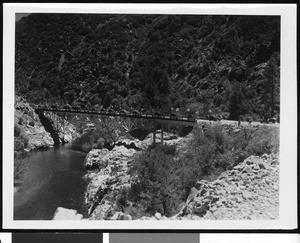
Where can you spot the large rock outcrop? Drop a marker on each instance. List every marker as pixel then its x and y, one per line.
pixel 32 132
pixel 249 191
pixel 29 134
pixel 112 175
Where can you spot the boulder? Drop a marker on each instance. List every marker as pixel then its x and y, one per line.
pixel 116 216
pixel 67 214
pixel 95 158
pixel 126 217
pixel 157 216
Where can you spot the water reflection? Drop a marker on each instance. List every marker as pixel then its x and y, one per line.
pixel 54 178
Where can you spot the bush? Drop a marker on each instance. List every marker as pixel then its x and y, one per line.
pixel 156 189
pixel 264 140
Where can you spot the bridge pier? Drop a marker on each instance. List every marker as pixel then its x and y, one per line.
pixel 154 137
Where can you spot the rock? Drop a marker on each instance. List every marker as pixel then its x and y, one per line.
pixel 66 214
pixel 157 216
pixel 247 195
pixel 126 217
pixel 192 194
pixel 116 216
pixel 262 165
pixel 94 158
pixel 247 169
pixel 223 176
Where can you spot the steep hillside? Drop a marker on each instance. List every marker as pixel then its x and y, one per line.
pixel 229 64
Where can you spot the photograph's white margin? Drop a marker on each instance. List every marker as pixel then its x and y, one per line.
pixel 288 115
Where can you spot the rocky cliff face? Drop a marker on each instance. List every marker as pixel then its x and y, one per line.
pixel 29 134
pixel 32 132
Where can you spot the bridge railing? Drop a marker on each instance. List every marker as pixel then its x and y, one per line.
pixel 188 119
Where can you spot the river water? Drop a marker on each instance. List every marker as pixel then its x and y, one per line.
pixel 54 178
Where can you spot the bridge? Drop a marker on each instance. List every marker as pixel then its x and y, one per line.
pixel 132 122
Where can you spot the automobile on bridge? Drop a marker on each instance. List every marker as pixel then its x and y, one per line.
pixel 110 111
pixel 157 115
pixel 123 112
pixel 136 113
pixel 174 116
pixel 67 107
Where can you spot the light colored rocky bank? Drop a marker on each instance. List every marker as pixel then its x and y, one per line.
pixel 28 128
pixel 249 191
pixel 31 134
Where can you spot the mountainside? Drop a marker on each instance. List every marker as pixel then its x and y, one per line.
pixel 229 64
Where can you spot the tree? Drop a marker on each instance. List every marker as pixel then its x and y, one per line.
pixel 237 101
pixel 271 87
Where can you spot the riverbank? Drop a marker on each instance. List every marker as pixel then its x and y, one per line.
pixel 247 190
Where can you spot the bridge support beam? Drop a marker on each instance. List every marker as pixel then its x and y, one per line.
pixel 154 137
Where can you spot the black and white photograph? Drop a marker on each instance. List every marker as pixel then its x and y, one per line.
pixel 137 118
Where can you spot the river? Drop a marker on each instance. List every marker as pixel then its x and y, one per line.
pixel 54 178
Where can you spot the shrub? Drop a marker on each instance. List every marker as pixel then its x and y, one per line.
pixel 264 140
pixel 157 187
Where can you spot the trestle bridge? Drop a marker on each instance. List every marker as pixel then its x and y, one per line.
pixel 132 122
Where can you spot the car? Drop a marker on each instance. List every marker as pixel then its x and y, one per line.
pixel 264 120
pixel 123 112
pixel 67 107
pixel 212 117
pixel 174 116
pixel 272 119
pixel 110 111
pixel 101 110
pixel 136 113
pixel 156 115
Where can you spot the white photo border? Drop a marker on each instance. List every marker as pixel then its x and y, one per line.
pixel 288 118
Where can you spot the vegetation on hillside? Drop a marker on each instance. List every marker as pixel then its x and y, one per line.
pixel 163 177
pixel 229 64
